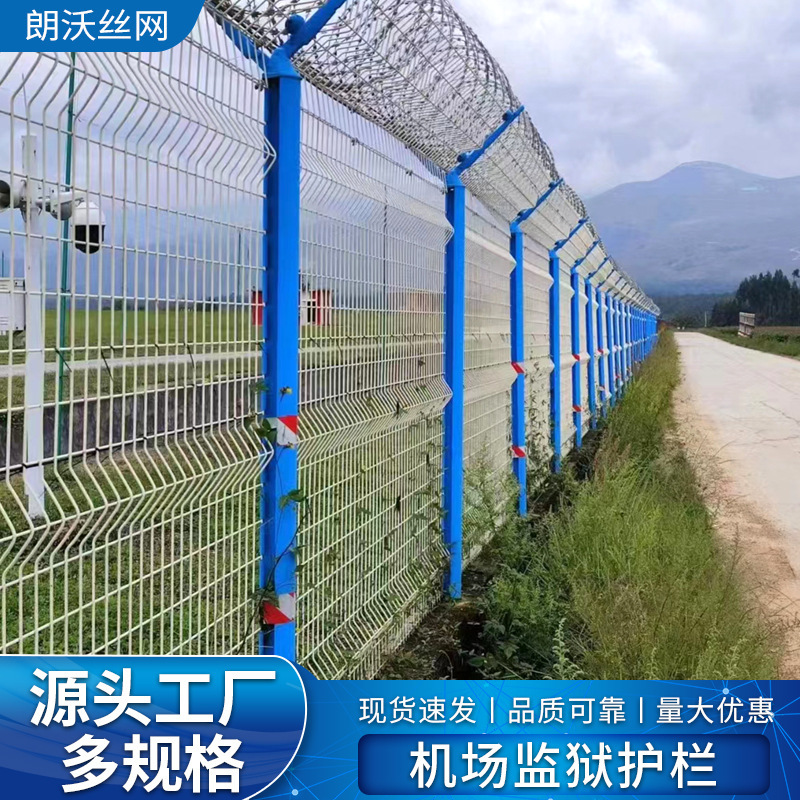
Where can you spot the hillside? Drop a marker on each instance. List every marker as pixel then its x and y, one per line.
pixel 702 227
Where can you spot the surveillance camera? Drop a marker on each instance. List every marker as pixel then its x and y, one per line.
pixel 88 225
pixel 10 197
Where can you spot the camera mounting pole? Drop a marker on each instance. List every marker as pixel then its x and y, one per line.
pixel 34 333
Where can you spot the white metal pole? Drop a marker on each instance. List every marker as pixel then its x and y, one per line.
pixel 34 334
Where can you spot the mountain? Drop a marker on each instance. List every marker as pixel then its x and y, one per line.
pixel 702 227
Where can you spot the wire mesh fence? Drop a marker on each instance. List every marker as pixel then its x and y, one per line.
pixel 487 375
pixel 129 515
pixel 133 358
pixel 372 393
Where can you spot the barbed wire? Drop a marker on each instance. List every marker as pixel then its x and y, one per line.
pixel 416 69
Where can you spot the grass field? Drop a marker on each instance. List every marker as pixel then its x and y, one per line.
pixel 627 579
pixel 783 341
pixel 154 552
pixel 123 334
pixel 112 335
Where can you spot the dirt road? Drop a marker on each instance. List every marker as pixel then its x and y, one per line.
pixel 739 416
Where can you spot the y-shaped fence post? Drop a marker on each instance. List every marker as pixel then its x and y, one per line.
pixel 454 331
pixel 614 342
pixel 601 350
pixel 623 353
pixel 623 335
pixel 594 348
pixel 281 323
pixel 619 344
pixel 607 361
pixel 629 329
pixel 641 328
pixel 518 429
pixel 555 343
pixel 575 337
pixel 642 316
pixel 281 345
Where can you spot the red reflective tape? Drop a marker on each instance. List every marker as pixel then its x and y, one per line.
pixel 291 423
pixel 576 356
pixel 271 615
pixel 519 452
pixel 518 368
pixel 577 409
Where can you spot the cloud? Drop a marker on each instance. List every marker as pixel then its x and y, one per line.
pixel 625 90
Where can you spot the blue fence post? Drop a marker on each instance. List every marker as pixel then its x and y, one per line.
pixel 554 332
pixel 626 350
pixel 281 345
pixel 629 340
pixel 518 443
pixel 575 337
pixel 629 328
pixel 642 343
pixel 280 320
pixel 555 343
pixel 591 346
pixel 612 346
pixel 621 347
pixel 518 415
pixel 623 344
pixel 642 335
pixel 453 467
pixel 454 332
pixel 623 320
pixel 601 360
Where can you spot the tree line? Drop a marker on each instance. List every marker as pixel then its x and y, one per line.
pixel 772 296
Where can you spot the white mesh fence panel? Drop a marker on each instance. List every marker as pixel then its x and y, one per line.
pixel 487 374
pixel 129 513
pixel 372 392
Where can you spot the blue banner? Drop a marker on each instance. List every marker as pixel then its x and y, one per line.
pixel 558 763
pixel 261 727
pixel 86 27
pixel 138 726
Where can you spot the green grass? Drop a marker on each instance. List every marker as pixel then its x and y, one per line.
pixel 782 341
pixel 120 566
pixel 127 333
pixel 627 579
pixel 117 334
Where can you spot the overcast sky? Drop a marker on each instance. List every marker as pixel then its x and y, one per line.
pixel 626 90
